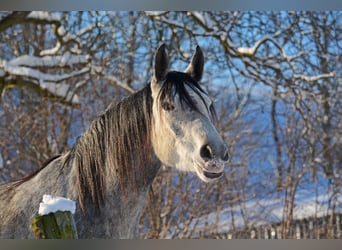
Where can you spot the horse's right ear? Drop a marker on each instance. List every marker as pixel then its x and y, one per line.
pixel 161 64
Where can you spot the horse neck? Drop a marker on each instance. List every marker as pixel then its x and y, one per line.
pixel 115 155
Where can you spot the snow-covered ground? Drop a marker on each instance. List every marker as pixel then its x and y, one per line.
pixel 260 212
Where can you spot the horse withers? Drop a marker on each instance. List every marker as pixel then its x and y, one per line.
pixel 111 167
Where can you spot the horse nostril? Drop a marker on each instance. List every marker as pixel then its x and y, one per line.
pixel 225 156
pixel 205 152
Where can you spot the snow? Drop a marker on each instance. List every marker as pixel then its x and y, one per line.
pixel 155 13
pixel 44 15
pixel 250 51
pixel 61 31
pixel 51 61
pixel 52 204
pixel 51 51
pixel 36 74
pixel 314 78
pixel 4 14
pixel 60 89
pixel 261 212
pixel 246 51
pixel 23 66
pixel 199 16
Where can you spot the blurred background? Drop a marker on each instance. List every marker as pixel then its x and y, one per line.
pixel 276 81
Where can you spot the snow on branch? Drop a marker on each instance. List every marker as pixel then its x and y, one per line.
pixel 39 17
pixel 63 38
pixel 61 90
pixel 44 15
pixel 38 75
pixel 314 78
pixel 51 51
pixel 39 72
pixel 199 17
pixel 52 83
pixel 155 13
pixel 50 61
pixel 250 51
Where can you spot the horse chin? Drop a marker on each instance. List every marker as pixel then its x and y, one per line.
pixel 207 176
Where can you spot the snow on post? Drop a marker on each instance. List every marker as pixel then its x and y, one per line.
pixel 55 220
pixel 53 204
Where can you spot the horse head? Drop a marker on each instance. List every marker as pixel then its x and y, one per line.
pixel 184 134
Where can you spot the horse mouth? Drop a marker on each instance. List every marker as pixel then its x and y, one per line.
pixel 206 175
pixel 212 175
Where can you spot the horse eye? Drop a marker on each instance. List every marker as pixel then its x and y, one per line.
pixel 167 106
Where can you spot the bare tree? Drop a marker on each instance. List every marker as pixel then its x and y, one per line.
pixel 288 54
pixel 275 78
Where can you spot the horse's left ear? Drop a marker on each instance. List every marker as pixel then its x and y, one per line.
pixel 161 64
pixel 195 68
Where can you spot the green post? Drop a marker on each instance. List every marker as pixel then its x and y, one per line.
pixel 58 225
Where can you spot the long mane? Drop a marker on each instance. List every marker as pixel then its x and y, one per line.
pixel 120 139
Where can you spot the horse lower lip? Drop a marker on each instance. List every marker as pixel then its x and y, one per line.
pixel 212 175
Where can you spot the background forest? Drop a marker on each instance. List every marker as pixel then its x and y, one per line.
pixel 276 78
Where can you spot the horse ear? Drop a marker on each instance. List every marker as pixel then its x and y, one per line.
pixel 161 64
pixel 195 68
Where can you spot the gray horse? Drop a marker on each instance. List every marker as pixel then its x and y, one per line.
pixel 111 167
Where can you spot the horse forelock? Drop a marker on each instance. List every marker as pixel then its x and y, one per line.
pixel 116 145
pixel 176 84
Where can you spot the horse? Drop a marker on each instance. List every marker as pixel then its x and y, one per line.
pixel 110 169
